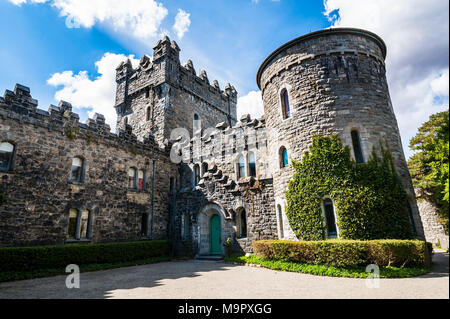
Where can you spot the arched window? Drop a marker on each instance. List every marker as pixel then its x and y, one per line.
pixel 79 224
pixel 284 160
pixel 252 164
pixel 204 168
pixel 149 114
pixel 330 218
pixel 242 223
pixel 285 104
pixel 280 219
pixel 132 176
pixel 196 174
pixel 6 156
pixel 357 147
pixel 77 174
pixel 196 123
pixel 241 167
pixel 141 180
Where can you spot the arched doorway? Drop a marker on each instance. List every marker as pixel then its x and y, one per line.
pixel 215 235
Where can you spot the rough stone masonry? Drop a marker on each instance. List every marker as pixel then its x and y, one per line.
pixel 180 156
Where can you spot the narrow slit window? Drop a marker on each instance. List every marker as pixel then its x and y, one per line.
pixel 241 167
pixel 141 180
pixel 284 160
pixel 6 155
pixel 84 224
pixel 144 223
pixel 242 224
pixel 357 147
pixel 73 218
pixel 132 178
pixel 285 104
pixel 77 174
pixel 330 219
pixel 149 113
pixel 196 175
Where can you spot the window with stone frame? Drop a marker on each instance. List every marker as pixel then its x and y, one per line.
pixel 284 160
pixel 330 218
pixel 6 156
pixel 148 114
pixel 285 104
pixel 241 167
pixel 141 180
pixel 357 150
pixel 79 227
pixel 144 224
pixel 204 168
pixel 196 174
pixel 196 123
pixel 78 167
pixel 252 164
pixel 242 223
pixel 132 178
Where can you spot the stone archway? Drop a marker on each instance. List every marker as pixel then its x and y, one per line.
pixel 204 228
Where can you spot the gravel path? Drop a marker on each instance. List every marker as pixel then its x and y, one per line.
pixel 209 279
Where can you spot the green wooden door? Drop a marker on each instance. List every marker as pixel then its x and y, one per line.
pixel 214 231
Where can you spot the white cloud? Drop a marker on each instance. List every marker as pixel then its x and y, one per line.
pixel 97 95
pixel 416 34
pixel 141 19
pixel 250 104
pixel 182 23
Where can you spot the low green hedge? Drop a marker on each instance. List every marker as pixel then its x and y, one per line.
pixel 347 253
pixel 51 257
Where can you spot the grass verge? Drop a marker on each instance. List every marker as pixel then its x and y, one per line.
pixel 324 270
pixel 22 275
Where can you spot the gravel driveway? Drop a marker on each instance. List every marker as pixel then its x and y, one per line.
pixel 210 279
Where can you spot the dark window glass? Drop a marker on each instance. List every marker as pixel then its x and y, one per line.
pixel 242 224
pixel 204 168
pixel 77 170
pixel 196 175
pixel 329 216
pixel 252 164
pixel 6 154
pixel 285 104
pixel 357 147
pixel 284 158
pixel 148 113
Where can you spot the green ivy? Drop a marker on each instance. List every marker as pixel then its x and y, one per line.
pixel 369 199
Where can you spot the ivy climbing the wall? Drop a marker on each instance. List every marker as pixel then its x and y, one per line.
pixel 369 199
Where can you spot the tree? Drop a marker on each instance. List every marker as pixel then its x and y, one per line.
pixel 429 167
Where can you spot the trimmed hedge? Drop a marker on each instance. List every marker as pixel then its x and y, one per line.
pixel 52 257
pixel 347 253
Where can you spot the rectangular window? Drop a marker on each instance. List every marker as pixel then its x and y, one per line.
pixel 77 170
pixel 144 223
pixel 141 182
pixel 6 154
pixel 73 217
pixel 132 178
pixel 357 147
pixel 84 224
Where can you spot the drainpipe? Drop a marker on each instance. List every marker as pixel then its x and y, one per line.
pixel 153 196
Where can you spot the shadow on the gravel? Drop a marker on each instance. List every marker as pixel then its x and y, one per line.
pixel 439 266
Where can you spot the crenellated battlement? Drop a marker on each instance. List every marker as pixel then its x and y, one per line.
pixel 20 106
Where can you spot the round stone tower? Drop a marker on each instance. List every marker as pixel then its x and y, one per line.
pixel 331 81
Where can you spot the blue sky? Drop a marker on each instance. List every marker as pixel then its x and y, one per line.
pixel 228 38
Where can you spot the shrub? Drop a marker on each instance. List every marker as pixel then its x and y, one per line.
pixel 346 253
pixel 46 257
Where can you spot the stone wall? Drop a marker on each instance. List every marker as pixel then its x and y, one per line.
pixel 336 83
pixel 38 188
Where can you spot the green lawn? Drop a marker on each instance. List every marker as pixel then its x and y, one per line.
pixel 324 270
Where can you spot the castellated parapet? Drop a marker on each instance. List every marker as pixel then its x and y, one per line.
pixel 161 95
pixel 336 83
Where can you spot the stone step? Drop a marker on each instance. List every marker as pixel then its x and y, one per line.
pixel 209 257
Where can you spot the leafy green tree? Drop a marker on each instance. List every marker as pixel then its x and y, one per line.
pixel 429 167
pixel 369 199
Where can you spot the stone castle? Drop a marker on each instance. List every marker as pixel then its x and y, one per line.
pixel 181 165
